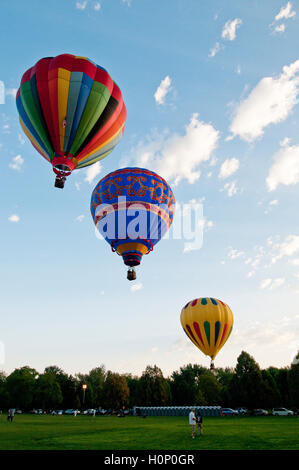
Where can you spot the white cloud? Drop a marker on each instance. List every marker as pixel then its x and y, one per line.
pixel 230 188
pixel 215 49
pixel 280 28
pixel 176 157
pixel 14 218
pixel 17 163
pixel 270 102
pixel 233 253
pixel 97 6
pixel 228 167
pixel 81 5
pixel 288 247
pixel 11 92
pixel 285 12
pixel 92 172
pixel 230 27
pixel 80 218
pixel 162 90
pixel 272 283
pixel 285 169
pixel 136 287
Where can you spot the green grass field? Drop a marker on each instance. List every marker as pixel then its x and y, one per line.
pixel 33 432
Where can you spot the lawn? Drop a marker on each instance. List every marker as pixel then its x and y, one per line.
pixel 34 432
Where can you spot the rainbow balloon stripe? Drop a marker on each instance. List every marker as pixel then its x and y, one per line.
pixel 71 110
pixel 116 200
pixel 208 323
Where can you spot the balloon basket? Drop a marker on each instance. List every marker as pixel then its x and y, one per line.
pixel 131 274
pixel 59 182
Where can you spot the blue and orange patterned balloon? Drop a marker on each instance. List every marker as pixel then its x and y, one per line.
pixel 132 208
pixel 208 323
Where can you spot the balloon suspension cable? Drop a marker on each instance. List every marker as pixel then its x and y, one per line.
pixel 131 274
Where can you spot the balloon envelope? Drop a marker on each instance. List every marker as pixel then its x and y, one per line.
pixel 132 208
pixel 71 110
pixel 208 323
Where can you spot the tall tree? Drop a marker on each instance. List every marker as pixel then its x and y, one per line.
pixel 153 388
pixel 115 391
pixel 48 394
pixel 247 386
pixel 21 386
pixel 293 381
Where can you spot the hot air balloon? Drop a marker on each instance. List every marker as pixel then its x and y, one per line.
pixel 132 208
pixel 208 323
pixel 72 112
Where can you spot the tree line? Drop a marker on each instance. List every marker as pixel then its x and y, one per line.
pixel 246 385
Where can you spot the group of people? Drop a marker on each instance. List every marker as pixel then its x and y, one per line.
pixel 195 421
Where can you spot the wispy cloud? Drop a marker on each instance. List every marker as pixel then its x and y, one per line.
pixel 14 218
pixel 285 169
pixel 285 12
pixel 272 284
pixel 230 28
pixel 17 163
pixel 92 172
pixel 228 167
pixel 162 90
pixel 81 5
pixel 136 287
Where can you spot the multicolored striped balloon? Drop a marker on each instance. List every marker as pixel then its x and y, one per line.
pixel 71 110
pixel 207 322
pixel 132 208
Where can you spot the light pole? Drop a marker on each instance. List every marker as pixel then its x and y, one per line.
pixel 84 387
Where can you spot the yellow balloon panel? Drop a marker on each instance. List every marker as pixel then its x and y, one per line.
pixel 208 323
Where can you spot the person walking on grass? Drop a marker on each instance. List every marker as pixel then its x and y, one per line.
pixel 192 422
pixel 199 422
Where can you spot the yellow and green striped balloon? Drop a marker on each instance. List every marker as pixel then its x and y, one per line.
pixel 208 323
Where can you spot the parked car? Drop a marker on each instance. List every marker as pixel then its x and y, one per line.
pixel 242 411
pixel 229 412
pixel 282 412
pixel 260 412
pixel 69 412
pixel 60 412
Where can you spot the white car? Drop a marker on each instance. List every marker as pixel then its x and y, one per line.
pixel 282 412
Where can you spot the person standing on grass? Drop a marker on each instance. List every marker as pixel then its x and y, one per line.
pixel 10 415
pixel 192 422
pixel 199 422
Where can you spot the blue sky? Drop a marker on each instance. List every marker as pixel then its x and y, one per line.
pixel 211 90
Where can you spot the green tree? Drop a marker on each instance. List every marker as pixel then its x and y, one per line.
pixel 115 391
pixel 153 388
pixel 3 391
pixel 210 389
pixel 185 385
pixel 48 394
pixel 21 386
pixel 247 386
pixel 68 386
pixel 293 381
pixel 96 378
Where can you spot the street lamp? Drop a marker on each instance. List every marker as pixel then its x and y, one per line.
pixel 84 387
